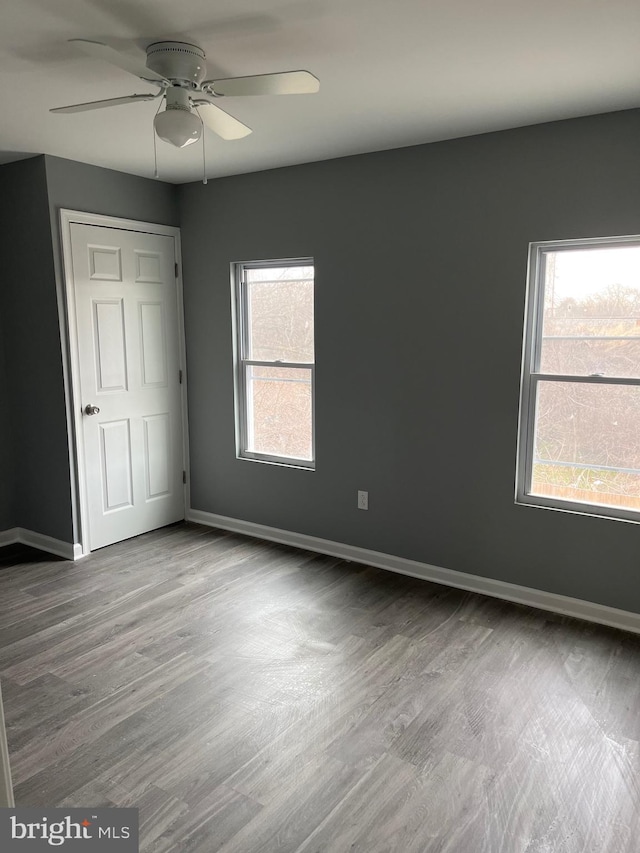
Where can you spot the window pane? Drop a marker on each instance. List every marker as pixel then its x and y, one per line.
pixel 587 443
pixel 279 412
pixel 288 273
pixel 589 357
pixel 280 313
pixel 591 315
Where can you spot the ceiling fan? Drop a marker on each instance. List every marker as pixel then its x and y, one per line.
pixel 178 70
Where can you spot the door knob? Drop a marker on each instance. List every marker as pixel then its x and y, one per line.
pixel 91 410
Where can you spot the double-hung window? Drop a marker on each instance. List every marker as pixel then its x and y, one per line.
pixel 579 442
pixel 274 302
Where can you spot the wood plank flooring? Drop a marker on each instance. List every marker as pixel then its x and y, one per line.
pixel 252 698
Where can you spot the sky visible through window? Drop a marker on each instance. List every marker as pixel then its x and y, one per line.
pixel 580 273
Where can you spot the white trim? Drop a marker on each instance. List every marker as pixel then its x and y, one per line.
pixel 9 537
pixel 74 419
pixel 43 543
pixel 6 788
pixel 588 610
pixel 82 218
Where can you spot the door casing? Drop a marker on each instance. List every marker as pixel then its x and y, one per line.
pixel 80 511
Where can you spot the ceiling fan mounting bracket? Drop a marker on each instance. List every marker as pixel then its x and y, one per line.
pixel 177 61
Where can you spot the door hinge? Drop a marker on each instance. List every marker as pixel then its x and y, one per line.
pixel 184 477
pixel 180 377
pixel 176 269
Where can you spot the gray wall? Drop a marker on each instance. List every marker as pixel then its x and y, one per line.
pixel 78 186
pixel 7 483
pixel 34 387
pixel 421 260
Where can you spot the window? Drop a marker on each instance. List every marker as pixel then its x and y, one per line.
pixel 579 443
pixel 275 361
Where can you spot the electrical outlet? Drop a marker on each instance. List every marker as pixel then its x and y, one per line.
pixel 363 500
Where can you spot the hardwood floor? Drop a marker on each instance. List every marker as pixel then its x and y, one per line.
pixel 247 696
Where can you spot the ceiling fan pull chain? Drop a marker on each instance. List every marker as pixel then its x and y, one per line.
pixel 156 174
pixel 204 161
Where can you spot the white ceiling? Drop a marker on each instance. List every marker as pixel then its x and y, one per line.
pixel 392 72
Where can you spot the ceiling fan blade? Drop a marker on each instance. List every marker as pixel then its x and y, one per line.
pixel 97 50
pixel 282 83
pixel 98 105
pixel 226 126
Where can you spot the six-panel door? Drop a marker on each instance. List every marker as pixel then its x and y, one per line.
pixel 127 330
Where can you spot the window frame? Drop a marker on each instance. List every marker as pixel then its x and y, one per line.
pixel 531 377
pixel 241 347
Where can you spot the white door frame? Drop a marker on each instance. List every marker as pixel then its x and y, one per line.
pixel 74 410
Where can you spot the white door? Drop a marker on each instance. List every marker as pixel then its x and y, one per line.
pixel 127 333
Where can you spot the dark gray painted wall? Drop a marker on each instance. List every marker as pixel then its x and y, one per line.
pixel 421 258
pixel 35 391
pixel 6 434
pixel 78 186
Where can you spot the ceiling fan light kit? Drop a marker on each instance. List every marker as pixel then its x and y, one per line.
pixel 177 124
pixel 178 70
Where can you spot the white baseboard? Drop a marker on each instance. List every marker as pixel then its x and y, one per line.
pixel 43 543
pixel 8 537
pixel 588 610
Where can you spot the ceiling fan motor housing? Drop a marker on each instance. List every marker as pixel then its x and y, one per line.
pixel 177 61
